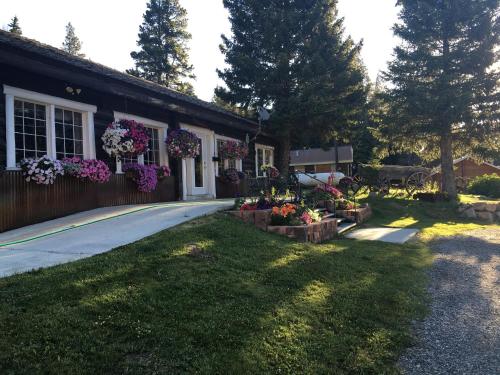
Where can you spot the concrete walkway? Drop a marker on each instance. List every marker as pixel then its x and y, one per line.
pixel 393 235
pixel 93 232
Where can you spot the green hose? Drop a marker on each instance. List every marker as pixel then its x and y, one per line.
pixel 183 204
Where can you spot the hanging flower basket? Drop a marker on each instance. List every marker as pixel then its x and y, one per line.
pixel 233 150
pixel 182 144
pixel 145 176
pixel 125 138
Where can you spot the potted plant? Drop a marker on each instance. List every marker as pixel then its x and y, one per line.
pixel 42 171
pixel 182 144
pixel 232 150
pixel 125 138
pixel 89 169
pixel 145 176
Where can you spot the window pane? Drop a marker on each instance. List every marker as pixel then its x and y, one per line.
pixel 153 155
pixel 40 127
pixel 260 161
pixel 78 118
pixel 18 108
pixel 79 148
pixel 68 117
pixel 198 168
pixel 59 115
pixel 29 142
pixel 29 110
pixel 41 143
pixel 40 112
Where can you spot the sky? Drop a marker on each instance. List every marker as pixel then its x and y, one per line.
pixel 108 30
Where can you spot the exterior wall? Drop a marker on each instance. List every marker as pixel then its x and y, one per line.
pixel 469 169
pixel 22 203
pixel 326 168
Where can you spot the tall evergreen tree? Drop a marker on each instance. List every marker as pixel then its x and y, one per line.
pixel 163 57
pixel 71 42
pixel 291 56
pixel 445 91
pixel 14 26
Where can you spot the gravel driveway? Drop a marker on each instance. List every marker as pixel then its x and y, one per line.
pixel 461 334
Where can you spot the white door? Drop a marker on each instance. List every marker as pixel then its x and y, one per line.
pixel 199 168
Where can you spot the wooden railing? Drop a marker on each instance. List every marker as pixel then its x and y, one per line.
pixel 23 203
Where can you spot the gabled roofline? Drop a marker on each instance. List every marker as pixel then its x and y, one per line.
pixel 49 52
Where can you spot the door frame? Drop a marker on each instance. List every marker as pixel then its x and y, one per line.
pixel 187 184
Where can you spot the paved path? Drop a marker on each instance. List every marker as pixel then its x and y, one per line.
pixel 461 334
pixel 92 232
pixel 384 234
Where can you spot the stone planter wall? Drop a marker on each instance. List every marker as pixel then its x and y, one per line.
pixel 259 218
pixel 316 232
pixel 487 212
pixel 359 215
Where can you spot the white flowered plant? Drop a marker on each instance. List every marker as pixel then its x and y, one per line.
pixel 116 141
pixel 42 171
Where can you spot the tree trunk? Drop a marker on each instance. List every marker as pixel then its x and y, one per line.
pixel 447 173
pixel 284 154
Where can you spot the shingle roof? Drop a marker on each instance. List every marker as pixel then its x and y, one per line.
pixel 56 54
pixel 318 155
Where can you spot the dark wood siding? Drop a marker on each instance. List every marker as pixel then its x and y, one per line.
pixel 23 203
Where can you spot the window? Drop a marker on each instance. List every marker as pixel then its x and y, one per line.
pixel 30 128
pixel 39 124
pixel 227 163
pixel 264 155
pixel 153 155
pixel 309 169
pixel 69 133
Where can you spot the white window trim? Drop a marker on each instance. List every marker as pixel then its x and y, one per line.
pixel 262 147
pixel 239 162
pixel 50 102
pixel 162 135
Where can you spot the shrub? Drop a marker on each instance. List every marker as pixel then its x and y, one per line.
pixel 488 185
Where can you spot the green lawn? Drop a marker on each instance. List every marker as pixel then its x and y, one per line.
pixel 433 219
pixel 251 303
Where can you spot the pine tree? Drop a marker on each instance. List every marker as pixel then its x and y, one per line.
pixel 163 57
pixel 291 56
pixel 71 42
pixel 14 26
pixel 445 91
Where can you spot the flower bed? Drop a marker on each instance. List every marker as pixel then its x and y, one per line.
pixel 316 232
